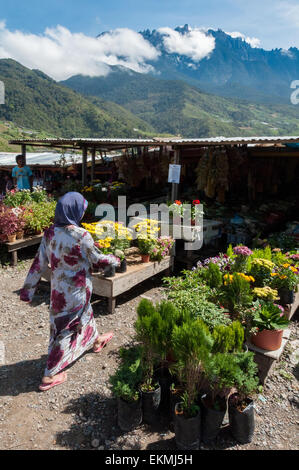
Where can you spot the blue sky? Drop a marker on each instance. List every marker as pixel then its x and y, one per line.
pixel 274 22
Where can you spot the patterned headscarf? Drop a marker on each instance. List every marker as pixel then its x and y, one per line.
pixel 70 209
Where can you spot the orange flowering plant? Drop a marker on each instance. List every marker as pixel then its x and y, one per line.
pixel 285 276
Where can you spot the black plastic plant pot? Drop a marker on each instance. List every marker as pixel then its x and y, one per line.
pixel 109 271
pixel 187 430
pixel 211 419
pixel 241 423
pixel 123 267
pixel 129 414
pixel 164 378
pixel 150 405
pixel 286 296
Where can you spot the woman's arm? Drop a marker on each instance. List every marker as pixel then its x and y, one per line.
pixel 38 266
pixel 97 259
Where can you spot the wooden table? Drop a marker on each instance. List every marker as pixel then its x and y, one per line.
pixel 136 273
pixel 13 247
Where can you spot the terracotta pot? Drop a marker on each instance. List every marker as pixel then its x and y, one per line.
pixel 270 340
pixel 192 221
pixel 20 235
pixel 12 238
pixel 145 258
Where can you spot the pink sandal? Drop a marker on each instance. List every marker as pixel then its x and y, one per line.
pixel 61 378
pixel 109 336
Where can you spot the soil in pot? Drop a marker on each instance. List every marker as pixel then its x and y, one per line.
pixel 187 430
pixel 286 296
pixel 270 340
pixel 109 271
pixel 129 414
pixel 212 416
pixel 123 267
pixel 241 419
pixel 150 404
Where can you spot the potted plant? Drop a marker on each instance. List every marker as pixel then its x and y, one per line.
pixel 220 372
pixel 236 293
pixel 147 329
pixel 192 343
pixel 9 224
pixel 161 248
pixel 147 231
pixel 241 403
pixel 285 279
pixel 124 383
pixel 270 322
pixel 39 215
pixel 123 262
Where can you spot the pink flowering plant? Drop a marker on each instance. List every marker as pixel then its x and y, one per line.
pixel 161 248
pixel 9 222
pixel 242 254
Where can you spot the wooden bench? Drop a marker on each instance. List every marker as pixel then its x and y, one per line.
pixel 13 247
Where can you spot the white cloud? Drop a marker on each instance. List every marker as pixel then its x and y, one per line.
pixel 61 54
pixel 254 42
pixel 290 12
pixel 194 43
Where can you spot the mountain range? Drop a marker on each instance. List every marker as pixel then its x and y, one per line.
pixel 234 90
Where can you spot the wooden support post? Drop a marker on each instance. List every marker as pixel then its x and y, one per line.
pixel 175 186
pixel 84 166
pixel 111 304
pixel 14 258
pixel 93 162
pixel 24 152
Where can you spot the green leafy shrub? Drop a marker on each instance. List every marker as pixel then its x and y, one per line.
pixel 213 276
pixel 228 338
pixel 125 381
pixel 192 343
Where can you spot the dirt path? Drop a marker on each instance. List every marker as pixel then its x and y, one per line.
pixel 82 413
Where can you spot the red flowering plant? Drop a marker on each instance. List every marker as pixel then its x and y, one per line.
pixel 179 208
pixel 9 222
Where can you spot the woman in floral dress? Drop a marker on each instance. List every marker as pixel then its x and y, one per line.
pixel 70 252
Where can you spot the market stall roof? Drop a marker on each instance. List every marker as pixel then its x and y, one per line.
pixel 42 159
pixel 108 144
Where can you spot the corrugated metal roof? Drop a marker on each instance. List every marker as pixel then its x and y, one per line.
pixel 101 143
pixel 45 158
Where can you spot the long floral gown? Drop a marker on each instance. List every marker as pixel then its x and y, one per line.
pixel 71 255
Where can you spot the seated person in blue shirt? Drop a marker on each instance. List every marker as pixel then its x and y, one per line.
pixel 22 174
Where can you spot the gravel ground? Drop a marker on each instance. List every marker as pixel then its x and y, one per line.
pixel 81 413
